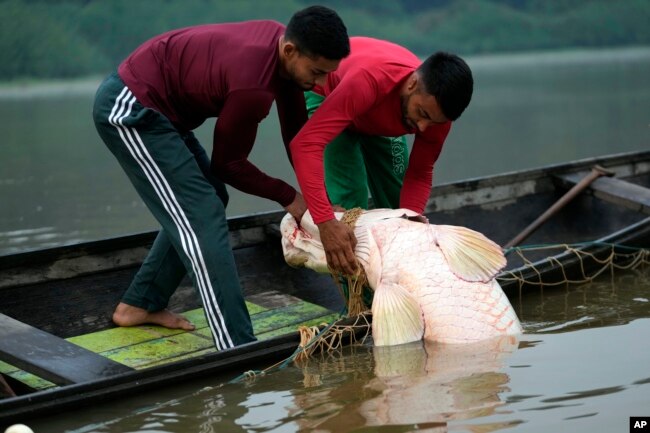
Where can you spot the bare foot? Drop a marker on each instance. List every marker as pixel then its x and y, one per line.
pixel 128 315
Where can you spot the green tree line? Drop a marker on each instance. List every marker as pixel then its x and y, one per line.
pixel 73 38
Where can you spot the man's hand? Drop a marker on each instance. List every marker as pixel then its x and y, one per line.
pixel 339 242
pixel 297 207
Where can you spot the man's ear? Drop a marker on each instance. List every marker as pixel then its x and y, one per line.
pixel 413 82
pixel 289 49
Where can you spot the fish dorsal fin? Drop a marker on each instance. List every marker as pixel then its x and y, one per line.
pixel 371 216
pixel 396 316
pixel 470 255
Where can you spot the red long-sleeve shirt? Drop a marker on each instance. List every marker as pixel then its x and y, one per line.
pixel 229 71
pixel 363 95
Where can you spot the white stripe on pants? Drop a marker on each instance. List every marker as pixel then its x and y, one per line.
pixel 190 244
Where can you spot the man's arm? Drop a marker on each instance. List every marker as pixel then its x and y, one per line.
pixel 234 136
pixel 419 174
pixel 352 97
pixel 292 113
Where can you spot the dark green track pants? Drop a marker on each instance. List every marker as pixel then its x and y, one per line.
pixel 171 172
pixel 356 163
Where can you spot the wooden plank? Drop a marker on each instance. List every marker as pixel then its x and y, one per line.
pixel 292 328
pixel 145 346
pixel 50 357
pixel 142 355
pixel 291 315
pixel 617 191
pixel 28 379
pixel 114 338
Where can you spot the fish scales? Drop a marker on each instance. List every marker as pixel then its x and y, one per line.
pixel 449 304
pixel 434 267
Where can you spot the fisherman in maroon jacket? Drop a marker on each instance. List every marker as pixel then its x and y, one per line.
pixel 145 113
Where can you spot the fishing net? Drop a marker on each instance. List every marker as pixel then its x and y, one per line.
pixel 353 288
pixel 560 264
pixel 564 264
pixel 534 265
pixel 322 339
pixel 352 328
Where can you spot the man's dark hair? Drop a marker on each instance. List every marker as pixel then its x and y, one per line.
pixel 447 77
pixel 318 31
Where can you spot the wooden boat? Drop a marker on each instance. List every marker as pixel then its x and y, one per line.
pixel 61 351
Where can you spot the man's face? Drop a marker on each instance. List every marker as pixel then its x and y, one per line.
pixel 306 71
pixel 420 109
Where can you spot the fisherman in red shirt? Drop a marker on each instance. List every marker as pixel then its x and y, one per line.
pixel 353 140
pixel 146 113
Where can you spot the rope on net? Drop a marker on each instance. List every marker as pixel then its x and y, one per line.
pixel 591 264
pixel 353 297
pixel 319 339
pixel 353 324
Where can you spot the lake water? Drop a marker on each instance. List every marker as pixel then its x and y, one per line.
pixel 59 184
pixel 582 365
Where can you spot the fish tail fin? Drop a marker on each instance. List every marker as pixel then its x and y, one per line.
pixel 396 316
pixel 470 254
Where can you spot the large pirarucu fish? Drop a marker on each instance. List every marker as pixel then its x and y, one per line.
pixel 435 282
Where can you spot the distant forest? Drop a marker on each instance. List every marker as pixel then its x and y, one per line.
pixel 75 38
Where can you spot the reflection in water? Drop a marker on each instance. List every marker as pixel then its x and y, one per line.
pixel 413 386
pixel 420 385
pixel 447 382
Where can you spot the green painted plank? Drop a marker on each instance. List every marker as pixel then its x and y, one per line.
pixel 137 355
pixel 207 351
pixel 292 315
pixel 269 320
pixel 254 308
pixel 28 379
pixel 197 316
pixel 188 344
pixel 293 328
pixel 114 338
pixel 148 345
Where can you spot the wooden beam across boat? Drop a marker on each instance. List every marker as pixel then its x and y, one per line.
pixel 51 357
pixel 617 191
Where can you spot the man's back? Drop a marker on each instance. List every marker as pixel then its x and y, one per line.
pixel 386 62
pixel 187 74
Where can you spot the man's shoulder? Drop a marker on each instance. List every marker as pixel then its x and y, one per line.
pixel 378 58
pixel 381 48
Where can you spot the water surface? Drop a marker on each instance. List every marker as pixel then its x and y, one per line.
pixel 583 364
pixel 59 184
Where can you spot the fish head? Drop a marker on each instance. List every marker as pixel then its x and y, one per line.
pixel 302 247
pixel 301 244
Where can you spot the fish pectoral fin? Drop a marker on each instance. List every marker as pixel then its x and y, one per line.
pixel 396 316
pixel 470 254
